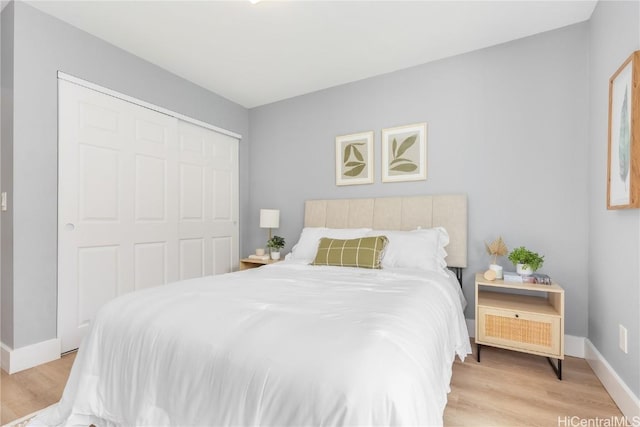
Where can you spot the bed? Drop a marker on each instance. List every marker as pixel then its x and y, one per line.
pixel 285 344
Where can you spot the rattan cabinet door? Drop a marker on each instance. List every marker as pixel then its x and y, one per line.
pixel 536 333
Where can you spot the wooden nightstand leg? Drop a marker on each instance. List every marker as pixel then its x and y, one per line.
pixel 478 346
pixel 558 369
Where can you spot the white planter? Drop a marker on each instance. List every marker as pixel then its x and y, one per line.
pixel 520 269
pixel 498 269
pixel 275 255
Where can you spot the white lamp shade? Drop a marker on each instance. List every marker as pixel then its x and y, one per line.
pixel 269 218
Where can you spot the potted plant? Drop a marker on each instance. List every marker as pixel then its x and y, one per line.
pixel 275 244
pixel 495 249
pixel 526 261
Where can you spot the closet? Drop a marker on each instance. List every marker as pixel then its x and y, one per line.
pixel 145 198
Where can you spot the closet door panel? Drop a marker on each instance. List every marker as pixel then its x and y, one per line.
pixel 94 133
pixel 209 200
pixel 150 264
pixel 150 189
pixel 155 174
pixel 144 199
pixel 192 258
pixel 116 228
pixel 222 254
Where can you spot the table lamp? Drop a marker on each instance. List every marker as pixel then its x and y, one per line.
pixel 269 218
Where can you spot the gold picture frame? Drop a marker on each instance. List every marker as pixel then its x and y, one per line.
pixel 354 159
pixel 404 153
pixel 623 147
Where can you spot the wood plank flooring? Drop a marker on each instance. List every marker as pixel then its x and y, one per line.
pixel 33 389
pixel 515 389
pixel 505 389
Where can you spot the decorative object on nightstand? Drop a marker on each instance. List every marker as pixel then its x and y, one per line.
pixel 526 261
pixel 495 249
pixel 269 218
pixel 526 323
pixel 512 277
pixel 490 275
pixel 275 244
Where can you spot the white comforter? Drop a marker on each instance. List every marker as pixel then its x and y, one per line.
pixel 286 344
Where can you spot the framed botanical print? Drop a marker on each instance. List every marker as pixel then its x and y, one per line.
pixel 623 167
pixel 404 153
pixel 354 159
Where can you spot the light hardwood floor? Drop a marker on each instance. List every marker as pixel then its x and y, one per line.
pixel 505 389
pixel 514 389
pixel 33 389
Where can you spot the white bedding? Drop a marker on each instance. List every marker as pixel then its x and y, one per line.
pixel 286 344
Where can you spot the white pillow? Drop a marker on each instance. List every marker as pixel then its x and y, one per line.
pixel 307 245
pixel 422 248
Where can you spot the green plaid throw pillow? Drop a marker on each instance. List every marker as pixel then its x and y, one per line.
pixel 365 252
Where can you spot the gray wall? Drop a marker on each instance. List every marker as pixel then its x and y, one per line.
pixel 6 136
pixel 44 45
pixel 614 253
pixel 507 125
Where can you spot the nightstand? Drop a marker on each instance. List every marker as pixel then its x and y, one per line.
pixel 247 263
pixel 528 323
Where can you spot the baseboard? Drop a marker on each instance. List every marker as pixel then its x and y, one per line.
pixel 626 400
pixel 4 357
pixel 573 346
pixel 19 359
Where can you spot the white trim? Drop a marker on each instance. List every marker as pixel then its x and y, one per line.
pixel 620 392
pixel 573 345
pixel 4 357
pixel 122 96
pixel 19 359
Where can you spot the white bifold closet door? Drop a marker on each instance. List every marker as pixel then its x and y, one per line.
pixel 144 199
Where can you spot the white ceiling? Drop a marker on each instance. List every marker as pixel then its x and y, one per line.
pixel 258 54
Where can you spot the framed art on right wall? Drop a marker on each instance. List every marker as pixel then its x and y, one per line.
pixel 623 167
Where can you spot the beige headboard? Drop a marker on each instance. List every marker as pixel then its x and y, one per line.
pixel 397 213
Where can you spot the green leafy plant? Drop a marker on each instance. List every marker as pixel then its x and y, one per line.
pixel 276 242
pixel 526 257
pixel 402 164
pixel 357 165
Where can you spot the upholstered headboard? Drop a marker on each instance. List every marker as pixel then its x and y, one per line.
pixel 398 213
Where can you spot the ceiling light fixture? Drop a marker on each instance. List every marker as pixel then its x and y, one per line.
pixel 254 1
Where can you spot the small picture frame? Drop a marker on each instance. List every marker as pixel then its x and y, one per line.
pixel 354 159
pixel 404 153
pixel 623 161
